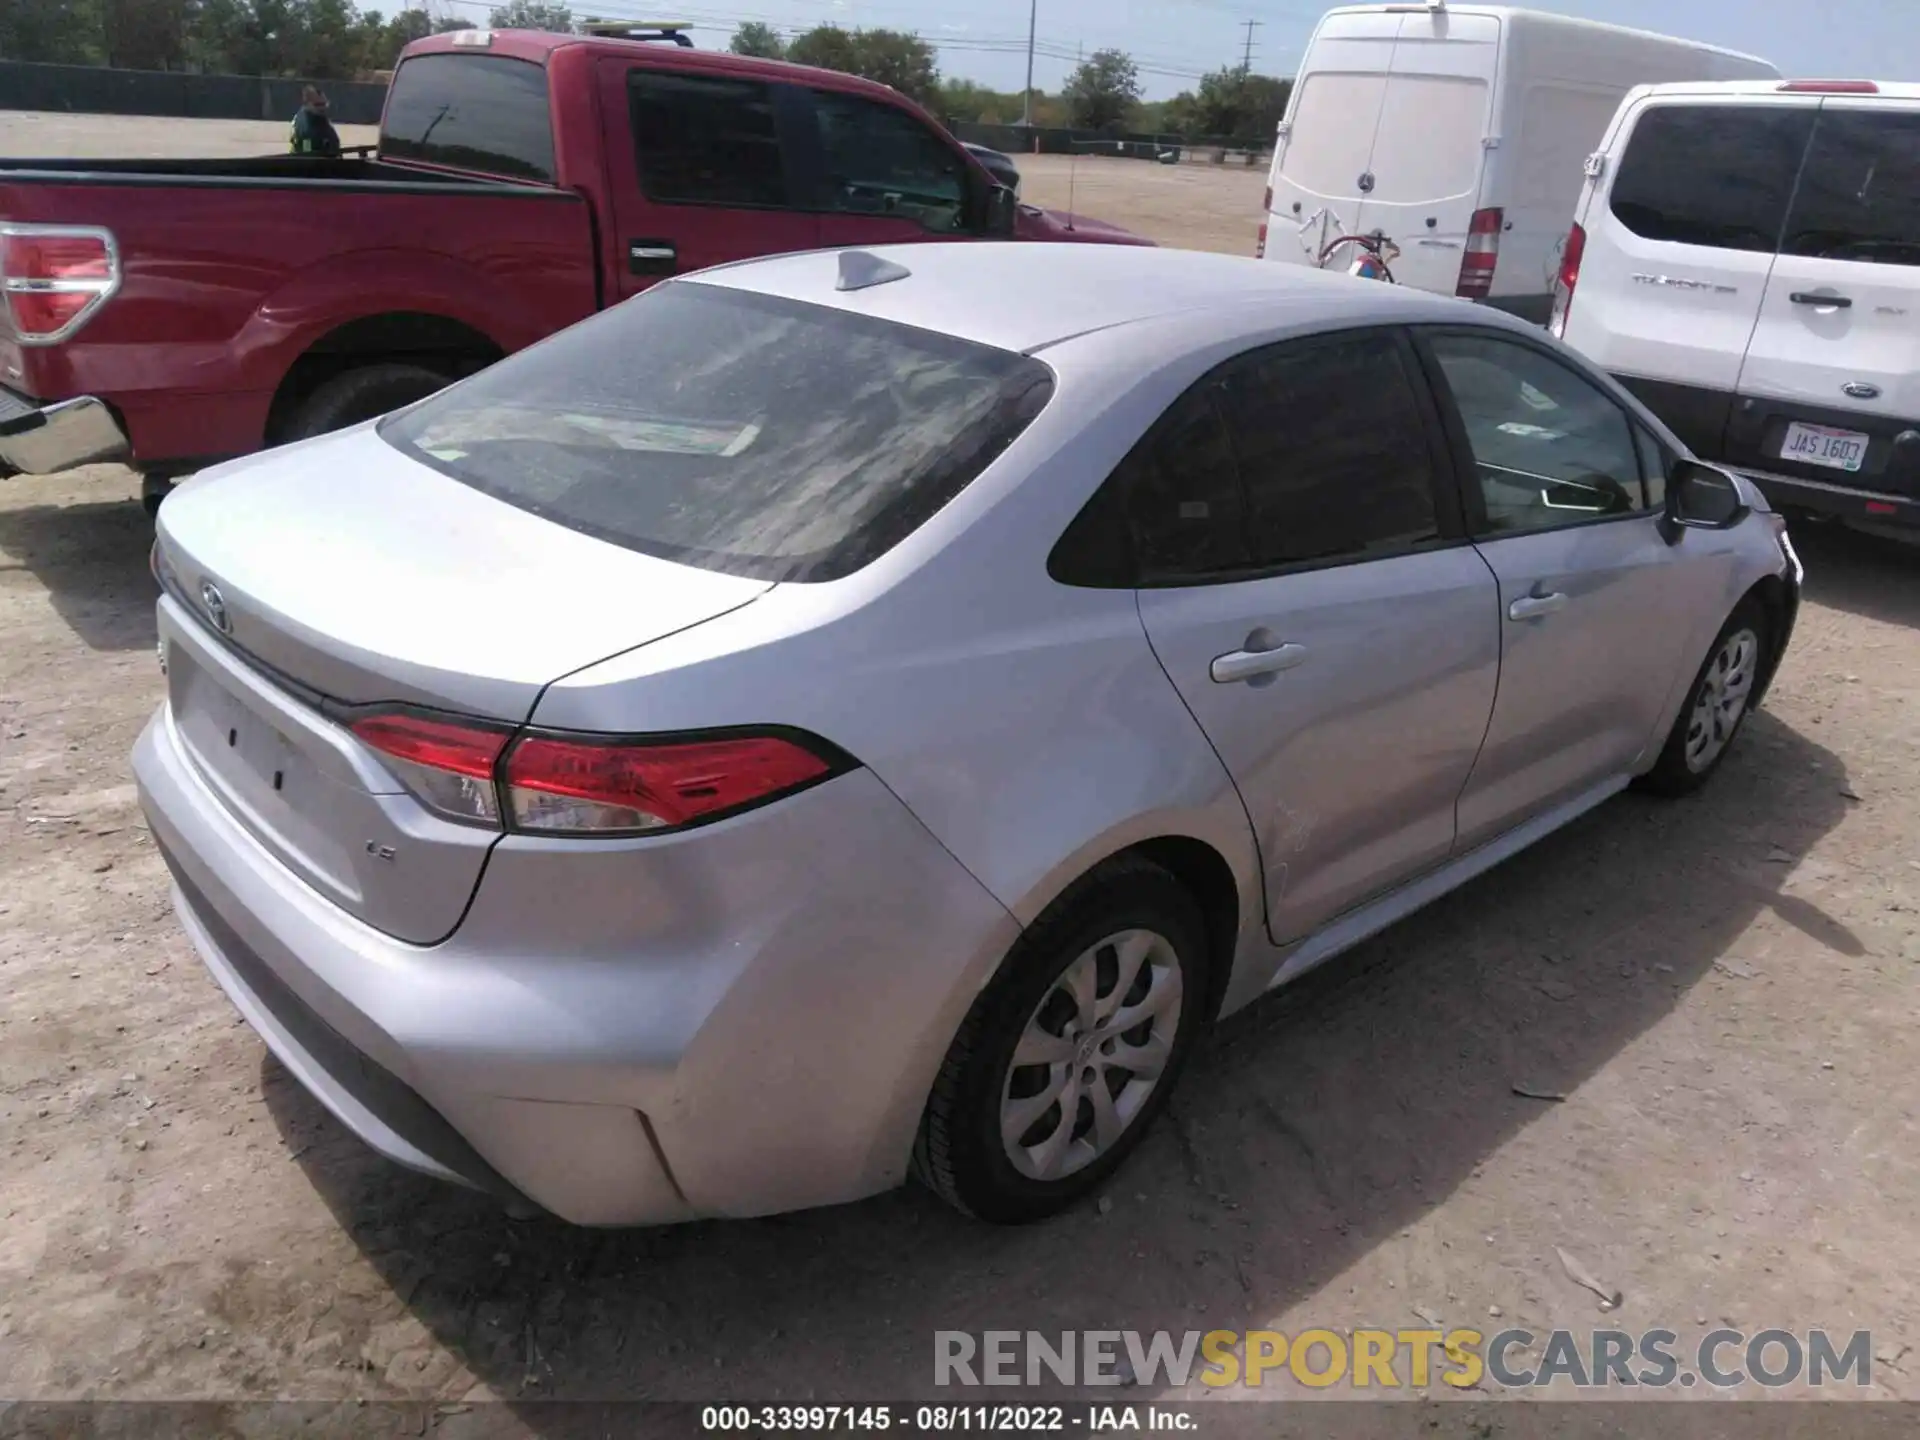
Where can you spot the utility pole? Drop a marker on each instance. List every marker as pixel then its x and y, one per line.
pixel 1026 96
pixel 1246 63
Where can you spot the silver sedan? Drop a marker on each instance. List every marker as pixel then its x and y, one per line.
pixel 861 713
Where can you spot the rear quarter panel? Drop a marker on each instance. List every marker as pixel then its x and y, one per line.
pixel 226 285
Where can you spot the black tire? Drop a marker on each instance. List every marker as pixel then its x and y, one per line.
pixel 1674 773
pixel 361 394
pixel 959 1154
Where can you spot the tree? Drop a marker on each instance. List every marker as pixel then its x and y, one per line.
pixel 759 40
pixel 1102 92
pixel 1232 104
pixel 968 102
pixel 892 57
pixel 449 23
pixel 531 15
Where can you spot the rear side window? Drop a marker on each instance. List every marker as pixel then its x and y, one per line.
pixel 471 112
pixel 706 140
pixel 1718 175
pixel 1860 196
pixel 1332 445
pixel 737 432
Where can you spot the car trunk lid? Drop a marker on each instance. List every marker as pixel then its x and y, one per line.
pixel 405 587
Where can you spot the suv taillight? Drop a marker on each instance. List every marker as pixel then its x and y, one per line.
pixel 1564 281
pixel 1266 214
pixel 53 278
pixel 589 784
pixel 1483 253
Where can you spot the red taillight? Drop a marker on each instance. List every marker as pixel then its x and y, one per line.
pixel 589 785
pixel 1565 280
pixel 1266 213
pixel 53 277
pixel 1482 254
pixel 1829 87
pixel 447 764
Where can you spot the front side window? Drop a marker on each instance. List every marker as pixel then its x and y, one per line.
pixel 1716 175
pixel 1550 448
pixel 882 161
pixel 1859 198
pixel 1332 446
pixel 732 431
pixel 471 112
pixel 706 140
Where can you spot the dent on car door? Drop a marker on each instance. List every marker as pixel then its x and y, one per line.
pixel 1305 587
pixel 1564 503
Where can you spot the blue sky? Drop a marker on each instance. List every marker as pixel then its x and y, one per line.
pixel 1176 40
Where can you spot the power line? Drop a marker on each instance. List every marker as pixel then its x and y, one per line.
pixel 1246 63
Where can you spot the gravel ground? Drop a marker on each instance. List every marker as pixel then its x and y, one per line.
pixel 1723 990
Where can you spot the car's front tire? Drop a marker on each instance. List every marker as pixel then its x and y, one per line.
pixel 1065 1059
pixel 1717 704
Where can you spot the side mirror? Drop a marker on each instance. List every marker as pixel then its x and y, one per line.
pixel 1701 497
pixel 1002 212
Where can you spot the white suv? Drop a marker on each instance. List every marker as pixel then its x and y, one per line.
pixel 1746 258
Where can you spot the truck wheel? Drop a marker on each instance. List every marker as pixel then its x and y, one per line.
pixel 362 394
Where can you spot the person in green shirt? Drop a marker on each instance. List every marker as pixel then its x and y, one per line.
pixel 313 132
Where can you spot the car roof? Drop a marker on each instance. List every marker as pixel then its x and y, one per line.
pixel 1026 296
pixel 1801 89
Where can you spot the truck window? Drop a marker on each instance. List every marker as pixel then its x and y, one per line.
pixel 882 161
pixel 1860 196
pixel 1715 175
pixel 471 112
pixel 704 140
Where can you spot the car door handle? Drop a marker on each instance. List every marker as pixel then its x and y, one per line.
pixel 1532 607
pixel 1240 665
pixel 1834 302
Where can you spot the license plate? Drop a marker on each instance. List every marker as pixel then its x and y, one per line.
pixel 1819 445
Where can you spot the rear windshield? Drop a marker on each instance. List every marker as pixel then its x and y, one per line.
pixel 1718 175
pixel 1860 196
pixel 471 112
pixel 733 431
pixel 1428 144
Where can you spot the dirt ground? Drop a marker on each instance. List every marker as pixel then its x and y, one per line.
pixel 1723 989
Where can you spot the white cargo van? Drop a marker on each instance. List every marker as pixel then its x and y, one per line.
pixel 1746 259
pixel 1458 132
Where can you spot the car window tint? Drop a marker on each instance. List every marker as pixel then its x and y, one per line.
pixel 1332 448
pixel 1550 448
pixel 882 161
pixel 1653 467
pixel 1181 496
pixel 471 112
pixel 706 140
pixel 1715 175
pixel 734 431
pixel 1859 198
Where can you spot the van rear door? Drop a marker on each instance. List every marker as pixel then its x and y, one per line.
pixel 1327 144
pixel 1833 373
pixel 1423 175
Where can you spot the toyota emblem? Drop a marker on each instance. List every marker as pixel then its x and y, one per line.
pixel 216 604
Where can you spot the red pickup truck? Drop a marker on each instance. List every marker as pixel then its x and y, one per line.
pixel 173 313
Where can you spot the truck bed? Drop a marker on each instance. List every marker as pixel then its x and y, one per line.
pixel 243 269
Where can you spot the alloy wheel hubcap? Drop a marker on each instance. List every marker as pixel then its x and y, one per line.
pixel 1091 1055
pixel 1722 698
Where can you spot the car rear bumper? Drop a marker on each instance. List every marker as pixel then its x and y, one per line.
pixel 1845 502
pixel 40 439
pixel 737 1021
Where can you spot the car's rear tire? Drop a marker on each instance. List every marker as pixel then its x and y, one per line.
pixel 362 394
pixel 1717 703
pixel 1043 1095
